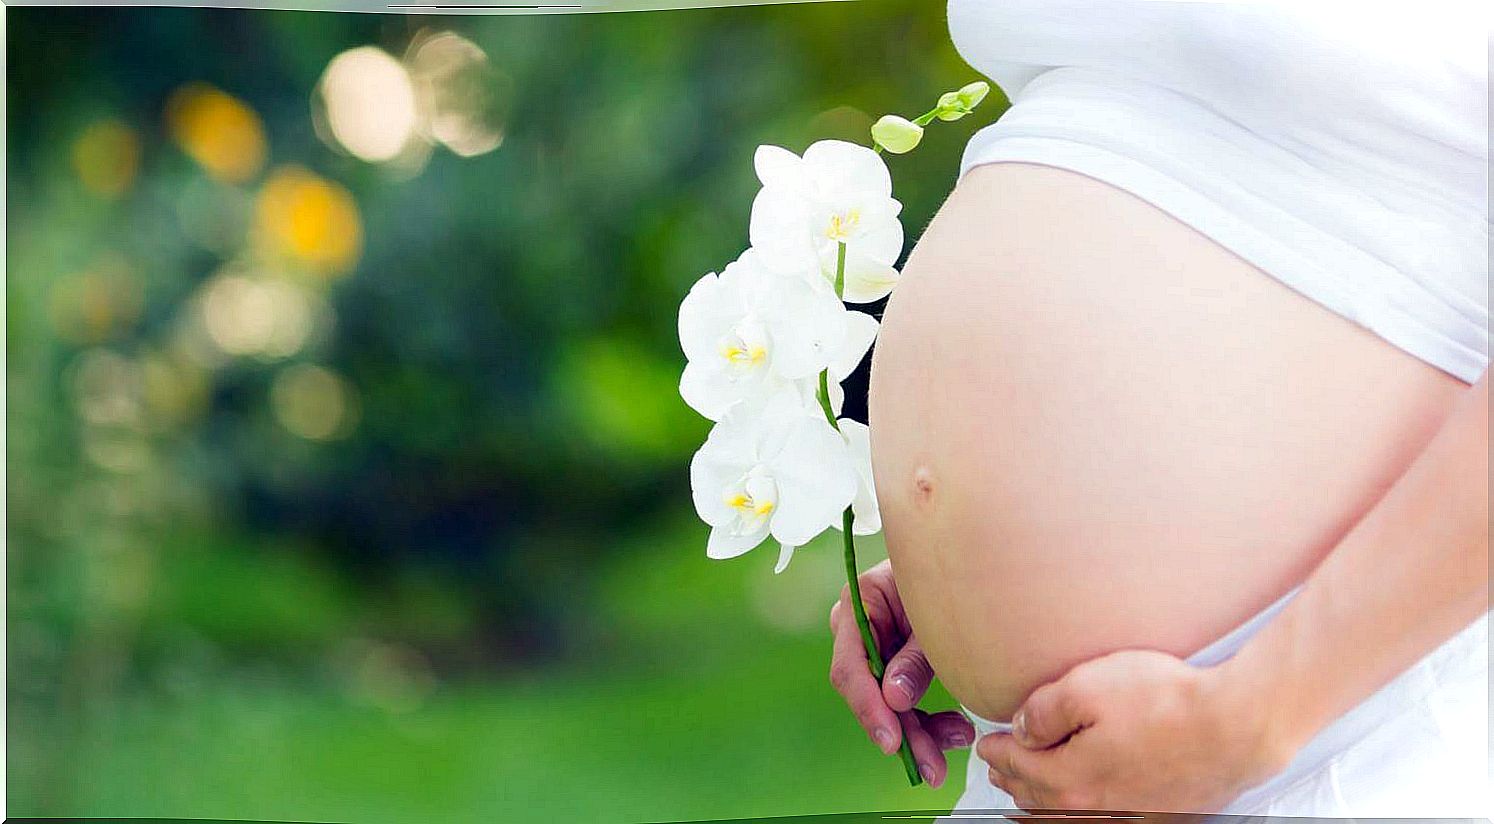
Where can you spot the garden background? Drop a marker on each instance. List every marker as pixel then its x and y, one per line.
pixel 346 473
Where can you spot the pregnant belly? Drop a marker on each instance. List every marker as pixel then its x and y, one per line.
pixel 1095 429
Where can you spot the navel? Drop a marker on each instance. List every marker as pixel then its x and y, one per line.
pixel 923 485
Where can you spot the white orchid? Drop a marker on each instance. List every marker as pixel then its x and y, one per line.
pixel 837 194
pixel 868 517
pixel 776 468
pixel 769 341
pixel 752 332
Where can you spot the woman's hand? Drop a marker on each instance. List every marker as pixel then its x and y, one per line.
pixel 1134 731
pixel 880 708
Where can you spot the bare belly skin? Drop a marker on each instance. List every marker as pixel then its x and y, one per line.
pixel 1095 429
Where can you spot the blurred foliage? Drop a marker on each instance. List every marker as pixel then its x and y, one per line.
pixel 342 427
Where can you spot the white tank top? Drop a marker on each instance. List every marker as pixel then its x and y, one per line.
pixel 1341 147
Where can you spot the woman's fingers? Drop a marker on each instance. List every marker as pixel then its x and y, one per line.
pixel 852 678
pixel 1053 712
pixel 1030 776
pixel 926 751
pixel 951 730
pixel 907 677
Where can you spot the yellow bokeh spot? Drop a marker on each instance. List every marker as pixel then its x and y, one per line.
pixel 106 157
pixel 217 130
pixel 313 402
pixel 310 220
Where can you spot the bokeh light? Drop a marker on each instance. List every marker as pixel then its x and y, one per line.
pixel 369 102
pixel 106 157
pixel 309 220
pixel 245 314
pixel 392 112
pixel 464 98
pixel 217 130
pixel 314 402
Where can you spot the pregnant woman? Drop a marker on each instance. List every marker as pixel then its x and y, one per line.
pixel 1180 418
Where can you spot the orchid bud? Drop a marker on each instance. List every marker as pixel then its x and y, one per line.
pixel 971 94
pixel 957 104
pixel 896 134
pixel 951 107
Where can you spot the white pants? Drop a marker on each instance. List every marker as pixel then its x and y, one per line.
pixel 1416 748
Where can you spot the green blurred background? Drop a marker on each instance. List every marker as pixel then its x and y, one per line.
pixel 346 471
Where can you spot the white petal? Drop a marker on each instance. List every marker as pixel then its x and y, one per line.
pixel 868 517
pixel 748 281
pixel 837 397
pixel 719 463
pixel 762 424
pixel 816 482
pixel 843 168
pixel 809 325
pixel 860 331
pixel 867 280
pixel 723 544
pixel 705 315
pixel 777 166
pixel 785 553
pixel 880 241
pixel 780 230
pixel 708 388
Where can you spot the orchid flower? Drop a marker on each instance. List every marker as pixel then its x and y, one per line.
pixel 768 341
pixel 837 193
pixel 776 468
pixel 751 332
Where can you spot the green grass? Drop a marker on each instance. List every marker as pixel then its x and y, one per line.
pixel 708 701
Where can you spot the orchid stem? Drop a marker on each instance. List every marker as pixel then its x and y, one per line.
pixel 853 582
pixel 873 657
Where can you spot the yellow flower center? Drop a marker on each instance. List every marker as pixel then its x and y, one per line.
pixel 753 501
pixel 743 354
pixel 842 226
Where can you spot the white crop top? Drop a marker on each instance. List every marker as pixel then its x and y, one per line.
pixel 1341 147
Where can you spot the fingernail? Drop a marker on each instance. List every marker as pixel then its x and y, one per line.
pixel 883 738
pixel 905 684
pixel 959 738
pixel 1019 726
pixel 927 772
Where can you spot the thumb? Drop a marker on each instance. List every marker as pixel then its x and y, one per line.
pixel 1051 714
pixel 907 678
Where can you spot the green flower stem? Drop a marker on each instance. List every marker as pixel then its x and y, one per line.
pixel 927 117
pixel 873 657
pixel 847 519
